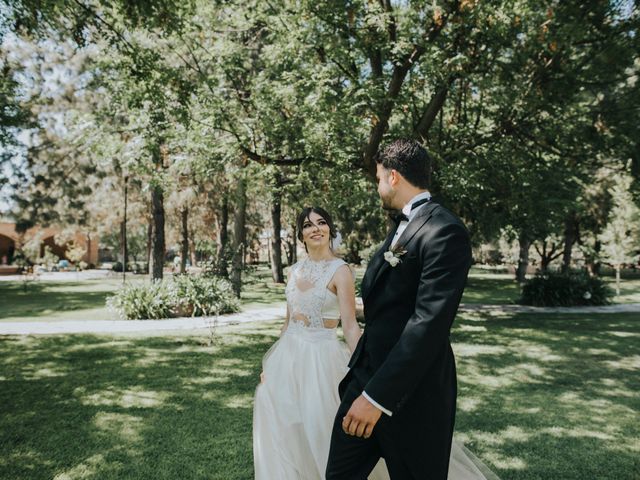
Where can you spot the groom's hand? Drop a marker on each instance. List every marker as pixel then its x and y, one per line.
pixel 361 418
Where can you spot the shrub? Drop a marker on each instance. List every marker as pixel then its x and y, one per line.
pixel 142 301
pixel 183 296
pixel 200 295
pixel 551 289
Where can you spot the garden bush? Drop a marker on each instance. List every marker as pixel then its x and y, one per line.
pixel 183 295
pixel 553 289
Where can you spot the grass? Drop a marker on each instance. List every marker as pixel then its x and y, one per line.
pixel 540 396
pixel 490 288
pixel 47 300
pixel 85 300
pixel 629 290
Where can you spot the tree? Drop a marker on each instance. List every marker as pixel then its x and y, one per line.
pixel 621 237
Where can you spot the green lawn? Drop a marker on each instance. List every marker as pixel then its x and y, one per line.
pixel 53 301
pixel 85 300
pixel 540 397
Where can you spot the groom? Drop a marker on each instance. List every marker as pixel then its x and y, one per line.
pixel 398 398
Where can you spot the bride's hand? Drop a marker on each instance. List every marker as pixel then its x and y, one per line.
pixel 261 377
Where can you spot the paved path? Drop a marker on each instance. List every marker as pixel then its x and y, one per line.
pixel 274 312
pixel 123 326
pixel 618 308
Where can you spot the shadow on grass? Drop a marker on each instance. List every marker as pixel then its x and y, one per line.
pixel 551 396
pixel 540 396
pixel 135 408
pixel 491 290
pixel 43 298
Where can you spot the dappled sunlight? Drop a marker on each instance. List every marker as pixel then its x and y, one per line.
pixel 121 425
pixel 468 404
pixel 474 375
pixel 88 347
pixel 472 328
pixel 623 334
pixel 239 401
pixel 510 434
pixel 474 350
pixel 631 363
pixel 576 432
pixel 135 397
pixel 504 462
pixel 541 353
pixel 537 394
pixel 524 373
pixel 149 358
pixel 46 372
pixel 86 469
pixel 600 352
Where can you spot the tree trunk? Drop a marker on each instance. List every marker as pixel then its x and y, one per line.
pixel 523 258
pixel 192 248
pixel 149 243
pixel 617 279
pixel 157 239
pixel 276 240
pixel 570 237
pixel 223 236
pixel 125 253
pixel 123 248
pixel 184 254
pixel 593 264
pixel 239 235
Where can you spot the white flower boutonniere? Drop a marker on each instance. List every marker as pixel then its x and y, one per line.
pixel 393 255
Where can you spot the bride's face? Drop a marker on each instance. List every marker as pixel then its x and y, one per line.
pixel 315 231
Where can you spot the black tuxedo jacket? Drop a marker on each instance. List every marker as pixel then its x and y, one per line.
pixel 404 360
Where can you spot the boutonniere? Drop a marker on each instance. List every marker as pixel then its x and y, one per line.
pixel 393 255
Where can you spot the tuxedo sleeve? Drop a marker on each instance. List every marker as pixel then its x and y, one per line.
pixel 446 258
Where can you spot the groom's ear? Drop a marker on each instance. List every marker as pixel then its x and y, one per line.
pixel 394 178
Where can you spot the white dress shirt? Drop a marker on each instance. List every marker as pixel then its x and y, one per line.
pixel 401 228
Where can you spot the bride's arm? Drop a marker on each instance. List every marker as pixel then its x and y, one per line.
pixel 346 293
pixel 286 319
pixel 286 322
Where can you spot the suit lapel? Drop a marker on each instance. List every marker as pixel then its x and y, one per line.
pixel 375 263
pixel 375 270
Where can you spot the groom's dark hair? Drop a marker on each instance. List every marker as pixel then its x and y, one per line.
pixel 409 158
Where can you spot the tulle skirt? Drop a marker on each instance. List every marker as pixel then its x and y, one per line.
pixel 295 407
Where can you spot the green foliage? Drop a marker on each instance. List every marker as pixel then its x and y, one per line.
pixel 183 296
pixel 621 236
pixel 145 301
pixel 49 259
pixel 553 289
pixel 202 296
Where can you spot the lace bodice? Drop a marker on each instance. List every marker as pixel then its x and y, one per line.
pixel 310 302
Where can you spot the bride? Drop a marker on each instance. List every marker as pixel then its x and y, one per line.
pixel 297 398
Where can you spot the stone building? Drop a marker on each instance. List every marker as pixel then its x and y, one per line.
pixel 10 242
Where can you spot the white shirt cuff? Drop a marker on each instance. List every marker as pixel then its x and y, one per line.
pixel 376 404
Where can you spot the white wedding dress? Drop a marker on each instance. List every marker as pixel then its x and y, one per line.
pixel 295 407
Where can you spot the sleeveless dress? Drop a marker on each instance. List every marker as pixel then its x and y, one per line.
pixel 295 407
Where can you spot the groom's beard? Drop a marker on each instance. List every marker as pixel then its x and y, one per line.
pixel 386 204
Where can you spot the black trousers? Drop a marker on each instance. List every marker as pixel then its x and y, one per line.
pixel 353 458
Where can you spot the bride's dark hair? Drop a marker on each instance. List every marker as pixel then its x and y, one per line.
pixel 304 215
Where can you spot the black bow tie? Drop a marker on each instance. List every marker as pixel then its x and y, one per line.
pixel 400 217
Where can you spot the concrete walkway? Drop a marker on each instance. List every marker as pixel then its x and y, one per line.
pixel 125 326
pixel 274 312
pixel 617 308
